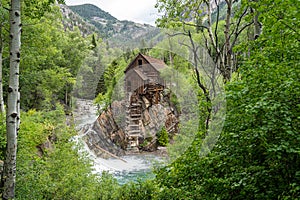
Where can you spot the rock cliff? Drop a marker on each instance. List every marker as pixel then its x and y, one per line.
pixel 109 133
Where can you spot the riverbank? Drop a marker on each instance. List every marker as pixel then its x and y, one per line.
pixel 161 151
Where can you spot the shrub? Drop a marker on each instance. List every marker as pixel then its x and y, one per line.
pixel 163 137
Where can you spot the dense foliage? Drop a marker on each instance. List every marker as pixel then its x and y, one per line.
pixel 47 160
pixel 256 157
pixel 163 137
pixel 49 166
pixel 258 154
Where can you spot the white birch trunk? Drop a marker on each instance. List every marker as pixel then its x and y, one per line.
pixel 13 115
pixel 1 77
pixel 2 107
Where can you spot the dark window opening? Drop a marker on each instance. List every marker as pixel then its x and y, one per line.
pixel 140 62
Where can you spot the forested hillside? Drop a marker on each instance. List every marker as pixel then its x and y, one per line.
pixel 241 59
pixel 116 32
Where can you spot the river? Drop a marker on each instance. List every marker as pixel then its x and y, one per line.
pixel 127 168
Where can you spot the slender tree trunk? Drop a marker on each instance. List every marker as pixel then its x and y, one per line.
pixel 1 69
pixel 13 115
pixel 257 27
pixel 200 83
pixel 227 52
pixel 2 106
pixel 210 32
pixel 218 55
pixel 66 95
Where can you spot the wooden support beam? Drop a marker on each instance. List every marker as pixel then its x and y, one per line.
pixel 156 96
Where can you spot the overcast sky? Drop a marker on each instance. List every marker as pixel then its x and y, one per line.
pixel 141 11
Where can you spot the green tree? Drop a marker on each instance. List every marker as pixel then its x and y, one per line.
pixel 32 9
pixel 163 137
pixel 49 163
pixel 13 102
pixel 257 155
pixel 196 16
pixel 52 55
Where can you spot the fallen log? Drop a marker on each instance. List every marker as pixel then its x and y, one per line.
pixel 112 155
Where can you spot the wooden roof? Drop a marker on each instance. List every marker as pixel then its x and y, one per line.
pixel 140 74
pixel 156 63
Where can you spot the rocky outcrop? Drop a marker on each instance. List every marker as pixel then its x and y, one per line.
pixel 99 136
pixel 109 133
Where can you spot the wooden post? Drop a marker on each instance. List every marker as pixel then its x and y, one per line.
pixel 156 95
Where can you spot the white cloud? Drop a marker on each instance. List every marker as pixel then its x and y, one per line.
pixel 142 11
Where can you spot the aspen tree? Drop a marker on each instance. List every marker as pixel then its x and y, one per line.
pixel 13 112
pixel 2 23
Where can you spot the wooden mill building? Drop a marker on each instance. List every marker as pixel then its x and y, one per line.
pixel 142 76
pixel 143 70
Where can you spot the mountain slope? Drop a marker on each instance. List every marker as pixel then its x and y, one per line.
pixel 118 33
pixel 72 20
pixel 93 11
